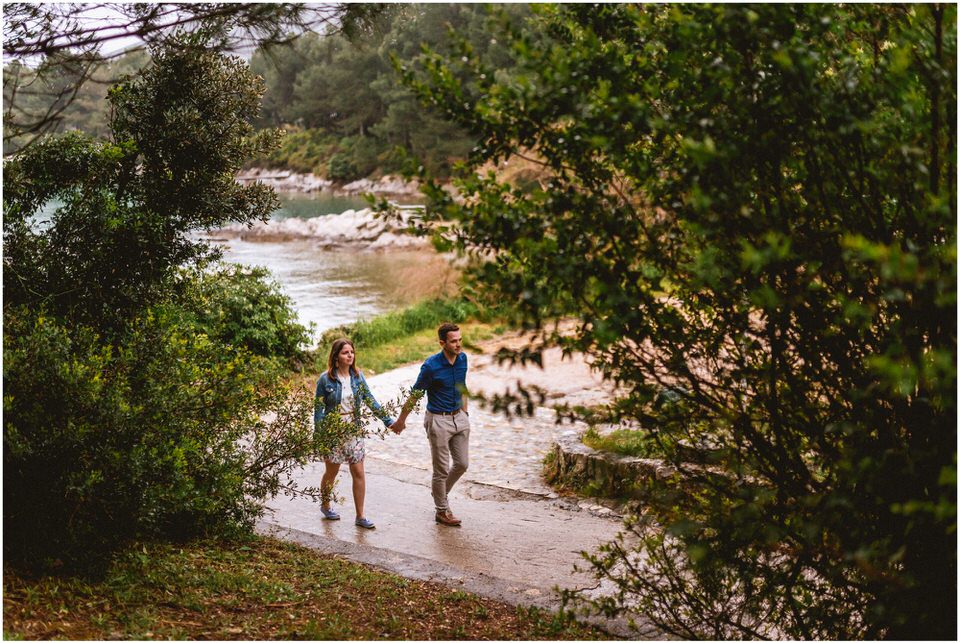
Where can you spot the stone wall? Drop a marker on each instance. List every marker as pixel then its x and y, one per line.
pixel 574 465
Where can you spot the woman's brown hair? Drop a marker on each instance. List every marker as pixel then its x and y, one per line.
pixel 335 355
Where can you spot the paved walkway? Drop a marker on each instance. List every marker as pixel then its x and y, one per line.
pixel 504 452
pixel 515 547
pixel 519 541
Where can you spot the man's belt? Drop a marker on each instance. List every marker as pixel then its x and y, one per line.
pixel 446 412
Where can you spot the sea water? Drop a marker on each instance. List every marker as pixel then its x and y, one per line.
pixel 331 284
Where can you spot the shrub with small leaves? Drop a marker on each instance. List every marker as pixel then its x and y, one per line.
pixel 243 307
pixel 754 206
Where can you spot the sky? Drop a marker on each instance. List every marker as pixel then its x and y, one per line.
pixel 104 18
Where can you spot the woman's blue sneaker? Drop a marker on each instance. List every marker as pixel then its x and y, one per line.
pixel 366 524
pixel 330 514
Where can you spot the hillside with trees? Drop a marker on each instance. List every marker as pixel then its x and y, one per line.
pixel 57 54
pixel 75 97
pixel 341 101
pixel 336 93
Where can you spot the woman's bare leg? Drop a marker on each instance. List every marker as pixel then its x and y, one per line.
pixel 359 486
pixel 326 483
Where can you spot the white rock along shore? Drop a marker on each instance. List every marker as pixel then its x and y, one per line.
pixel 359 229
pixel 288 181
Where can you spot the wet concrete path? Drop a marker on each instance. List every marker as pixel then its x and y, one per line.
pixel 504 452
pixel 522 539
pixel 519 541
pixel 514 547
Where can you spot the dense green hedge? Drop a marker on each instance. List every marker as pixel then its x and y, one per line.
pixel 301 151
pixel 338 159
pixel 241 306
pixel 145 434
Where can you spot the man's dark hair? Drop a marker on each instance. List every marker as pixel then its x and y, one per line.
pixel 444 329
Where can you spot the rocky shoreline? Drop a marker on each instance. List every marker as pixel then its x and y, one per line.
pixel 359 229
pixel 288 181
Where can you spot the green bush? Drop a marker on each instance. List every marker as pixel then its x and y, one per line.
pixel 244 307
pixel 364 153
pixel 132 407
pixel 755 204
pixel 301 151
pixel 159 434
pixel 636 443
pixel 341 168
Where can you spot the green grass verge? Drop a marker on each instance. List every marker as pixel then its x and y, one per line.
pixel 409 335
pixel 261 589
pixel 391 326
pixel 623 441
pixel 418 346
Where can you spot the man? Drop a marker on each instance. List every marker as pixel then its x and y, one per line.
pixel 443 376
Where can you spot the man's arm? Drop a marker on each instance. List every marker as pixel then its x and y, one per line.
pixel 417 392
pixel 463 394
pixel 412 399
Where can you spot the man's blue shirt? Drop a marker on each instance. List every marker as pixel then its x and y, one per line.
pixel 443 382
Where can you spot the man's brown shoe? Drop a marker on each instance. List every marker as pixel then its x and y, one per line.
pixel 448 519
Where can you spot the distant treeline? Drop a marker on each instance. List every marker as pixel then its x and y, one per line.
pixel 339 98
pixel 345 112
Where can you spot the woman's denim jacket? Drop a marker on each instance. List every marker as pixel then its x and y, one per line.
pixel 329 391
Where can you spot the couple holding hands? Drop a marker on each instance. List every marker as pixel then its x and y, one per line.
pixel 443 379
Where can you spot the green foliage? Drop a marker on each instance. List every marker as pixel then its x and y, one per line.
pixel 630 442
pixel 300 151
pixel 133 401
pixel 325 89
pixel 160 433
pixel 56 80
pixel 385 328
pixel 755 205
pixel 30 92
pixel 244 308
pixel 181 132
pixel 341 168
pixel 347 90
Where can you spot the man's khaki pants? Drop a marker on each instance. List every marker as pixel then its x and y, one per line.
pixel 449 435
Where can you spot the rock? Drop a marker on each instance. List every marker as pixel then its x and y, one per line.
pixel 288 181
pixel 576 465
pixel 350 229
pixel 285 180
pixel 601 474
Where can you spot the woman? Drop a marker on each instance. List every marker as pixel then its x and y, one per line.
pixel 333 396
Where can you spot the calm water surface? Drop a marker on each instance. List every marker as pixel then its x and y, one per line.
pixel 334 287
pixel 307 206
pixel 331 287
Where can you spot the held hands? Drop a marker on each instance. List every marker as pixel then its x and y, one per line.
pixel 398 426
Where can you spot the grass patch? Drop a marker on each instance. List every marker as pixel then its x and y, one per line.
pixel 391 326
pixel 261 589
pixel 416 347
pixel 404 336
pixel 630 442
